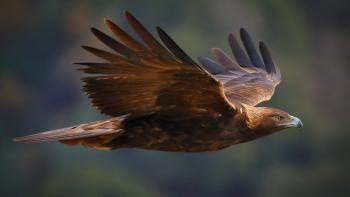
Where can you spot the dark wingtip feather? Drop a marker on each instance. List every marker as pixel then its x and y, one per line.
pixel 241 58
pixel 225 60
pixel 115 45
pixel 123 36
pixel 126 12
pixel 102 54
pixel 94 30
pixel 242 30
pixel 173 47
pixel 251 49
pixel 265 52
pixel 83 63
pixel 106 20
pixel 108 23
pixel 146 36
pixel 211 66
pixel 88 48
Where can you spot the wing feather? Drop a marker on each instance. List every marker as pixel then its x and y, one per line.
pixel 225 60
pixel 124 37
pixel 241 57
pixel 174 48
pixel 253 80
pixel 211 66
pixel 265 53
pixel 140 80
pixel 146 35
pixel 103 54
pixel 251 49
pixel 115 45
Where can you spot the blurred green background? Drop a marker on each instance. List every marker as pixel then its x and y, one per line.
pixel 40 90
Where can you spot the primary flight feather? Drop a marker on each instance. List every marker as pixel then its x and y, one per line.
pixel 159 98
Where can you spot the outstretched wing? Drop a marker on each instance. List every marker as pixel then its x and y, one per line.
pixel 252 79
pixel 139 79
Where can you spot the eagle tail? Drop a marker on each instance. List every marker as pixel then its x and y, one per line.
pixel 93 134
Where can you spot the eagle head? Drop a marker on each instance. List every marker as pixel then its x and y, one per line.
pixel 268 120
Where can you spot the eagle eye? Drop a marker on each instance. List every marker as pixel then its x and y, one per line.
pixel 278 117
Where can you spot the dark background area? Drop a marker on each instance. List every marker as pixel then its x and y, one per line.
pixel 40 90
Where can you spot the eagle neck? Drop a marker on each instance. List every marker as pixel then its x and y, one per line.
pixel 254 116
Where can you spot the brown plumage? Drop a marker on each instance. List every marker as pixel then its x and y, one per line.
pixel 161 99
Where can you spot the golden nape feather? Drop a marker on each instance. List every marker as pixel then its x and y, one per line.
pixel 161 99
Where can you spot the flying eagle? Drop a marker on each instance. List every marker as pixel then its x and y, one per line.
pixel 158 98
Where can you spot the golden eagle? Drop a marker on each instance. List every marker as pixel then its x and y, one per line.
pixel 159 98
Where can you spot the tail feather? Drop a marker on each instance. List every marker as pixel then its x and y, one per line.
pixel 87 130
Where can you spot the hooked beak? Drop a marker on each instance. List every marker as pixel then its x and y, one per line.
pixel 296 123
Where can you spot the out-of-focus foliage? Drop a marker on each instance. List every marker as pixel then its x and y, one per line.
pixel 40 90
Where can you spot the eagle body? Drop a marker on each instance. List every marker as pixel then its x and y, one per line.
pixel 200 131
pixel 206 132
pixel 158 98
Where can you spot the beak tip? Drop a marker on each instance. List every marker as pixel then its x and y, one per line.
pixel 300 125
pixel 296 122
